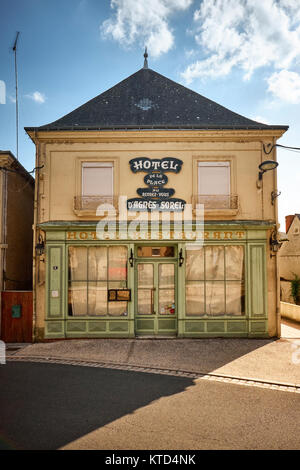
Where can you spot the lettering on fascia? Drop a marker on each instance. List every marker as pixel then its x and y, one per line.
pixel 206 235
pixel 155 197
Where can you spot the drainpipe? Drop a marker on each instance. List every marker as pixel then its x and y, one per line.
pixel 35 221
pixel 278 316
pixel 262 186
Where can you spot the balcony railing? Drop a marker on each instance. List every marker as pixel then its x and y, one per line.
pixel 217 201
pixel 211 202
pixel 91 203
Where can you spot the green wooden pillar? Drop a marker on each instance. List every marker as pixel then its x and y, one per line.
pixel 55 291
pixel 257 289
pixel 181 291
pixel 130 281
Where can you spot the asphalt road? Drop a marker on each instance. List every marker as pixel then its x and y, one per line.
pixel 53 406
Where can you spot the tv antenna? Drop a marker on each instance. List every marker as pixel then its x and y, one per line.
pixel 17 110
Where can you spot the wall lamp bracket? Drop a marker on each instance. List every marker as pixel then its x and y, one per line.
pixel 131 259
pixel 274 195
pixel 40 246
pixel 274 243
pixel 181 258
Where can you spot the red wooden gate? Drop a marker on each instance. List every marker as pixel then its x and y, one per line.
pixel 16 316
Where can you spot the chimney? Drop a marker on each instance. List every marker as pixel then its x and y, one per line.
pixel 288 222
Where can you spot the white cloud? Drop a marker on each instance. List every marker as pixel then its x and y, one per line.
pixel 189 53
pixel 37 96
pixel 285 85
pixel 145 22
pixel 245 34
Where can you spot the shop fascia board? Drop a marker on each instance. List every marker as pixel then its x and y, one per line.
pixel 149 135
pixel 216 224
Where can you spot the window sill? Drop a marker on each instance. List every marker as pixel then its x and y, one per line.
pixel 93 213
pixel 88 205
pixel 216 205
pixel 218 212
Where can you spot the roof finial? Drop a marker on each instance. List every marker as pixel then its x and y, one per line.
pixel 146 56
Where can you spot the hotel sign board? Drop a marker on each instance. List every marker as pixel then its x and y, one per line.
pixel 155 197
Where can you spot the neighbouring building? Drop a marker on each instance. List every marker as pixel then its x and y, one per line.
pixel 16 247
pixel 167 149
pixel 289 256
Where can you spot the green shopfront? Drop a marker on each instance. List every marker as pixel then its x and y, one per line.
pixel 156 287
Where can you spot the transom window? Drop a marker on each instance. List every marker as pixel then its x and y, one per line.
pixel 156 251
pixel 92 271
pixel 215 280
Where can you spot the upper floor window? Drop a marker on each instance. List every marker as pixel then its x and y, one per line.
pixel 97 179
pixel 214 185
pixel 97 187
pixel 213 178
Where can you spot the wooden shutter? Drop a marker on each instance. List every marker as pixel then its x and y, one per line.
pixel 97 179
pixel 213 178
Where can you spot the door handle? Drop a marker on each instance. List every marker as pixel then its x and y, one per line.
pixel 152 300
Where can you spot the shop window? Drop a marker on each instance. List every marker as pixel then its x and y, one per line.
pixel 92 271
pixel 215 280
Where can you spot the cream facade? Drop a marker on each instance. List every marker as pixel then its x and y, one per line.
pixel 244 227
pixel 61 179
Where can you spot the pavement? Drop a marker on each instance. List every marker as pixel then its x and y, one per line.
pixel 273 361
pixel 55 406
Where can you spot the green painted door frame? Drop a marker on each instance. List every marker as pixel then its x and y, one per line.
pixel 156 323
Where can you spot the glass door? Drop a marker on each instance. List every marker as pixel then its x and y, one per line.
pixel 145 293
pixel 156 312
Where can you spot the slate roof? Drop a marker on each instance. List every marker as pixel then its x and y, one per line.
pixel 148 100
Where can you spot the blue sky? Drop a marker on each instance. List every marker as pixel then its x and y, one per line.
pixel 243 54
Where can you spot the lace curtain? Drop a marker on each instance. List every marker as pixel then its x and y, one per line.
pixel 92 271
pixel 215 280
